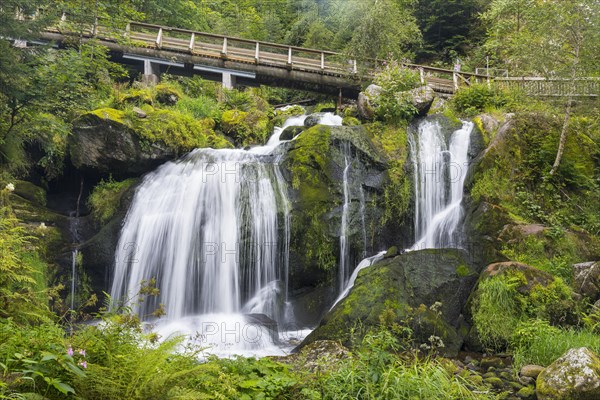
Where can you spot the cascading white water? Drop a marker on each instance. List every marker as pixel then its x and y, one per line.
pixel 343 269
pixel 440 170
pixel 74 255
pixel 367 262
pixel 207 228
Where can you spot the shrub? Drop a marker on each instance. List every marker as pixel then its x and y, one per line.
pixel 199 107
pixel 394 104
pixel 476 98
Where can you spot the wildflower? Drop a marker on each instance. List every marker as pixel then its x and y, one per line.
pixel 83 364
pixel 10 187
pixel 82 352
pixel 70 351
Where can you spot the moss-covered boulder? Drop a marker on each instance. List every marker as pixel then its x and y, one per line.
pixel 31 192
pixel 424 289
pixel 574 376
pixel 246 128
pixel 291 132
pixel 508 293
pixel 108 141
pixel 313 165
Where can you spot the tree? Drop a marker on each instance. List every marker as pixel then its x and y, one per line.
pixel 386 29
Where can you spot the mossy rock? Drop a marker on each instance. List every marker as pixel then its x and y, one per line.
pixel 246 128
pixel 109 141
pixel 167 94
pixel 291 132
pixel 574 376
pixel 420 289
pixel 350 121
pixel 31 192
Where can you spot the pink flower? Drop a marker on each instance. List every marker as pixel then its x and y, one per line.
pixel 82 352
pixel 83 364
pixel 70 351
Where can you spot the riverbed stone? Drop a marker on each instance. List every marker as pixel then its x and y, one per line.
pixel 574 376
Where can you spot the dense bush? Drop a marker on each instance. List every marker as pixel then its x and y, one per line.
pixel 476 98
pixel 394 104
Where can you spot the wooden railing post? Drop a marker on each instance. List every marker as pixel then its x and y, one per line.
pixel 354 67
pixel 192 42
pixel 422 75
pixel 95 27
pixel 257 53
pixel 455 80
pixel 224 51
pixel 322 60
pixel 159 38
pixel 289 56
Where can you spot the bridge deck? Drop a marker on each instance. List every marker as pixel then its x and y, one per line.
pixel 274 63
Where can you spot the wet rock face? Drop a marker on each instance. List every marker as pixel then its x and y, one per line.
pixel 575 375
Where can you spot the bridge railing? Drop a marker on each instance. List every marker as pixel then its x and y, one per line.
pixel 268 54
pixel 551 87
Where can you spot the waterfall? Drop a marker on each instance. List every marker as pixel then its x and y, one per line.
pixel 440 168
pixel 74 255
pixel 343 269
pixel 213 230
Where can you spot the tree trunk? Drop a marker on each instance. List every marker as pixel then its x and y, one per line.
pixel 563 136
pixel 565 127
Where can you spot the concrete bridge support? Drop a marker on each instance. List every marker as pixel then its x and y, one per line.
pixel 229 80
pixel 151 73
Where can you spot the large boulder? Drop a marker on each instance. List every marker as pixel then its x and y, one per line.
pixel 587 279
pixel 366 101
pixel 313 166
pixel 421 98
pixel 574 376
pixel 424 289
pixel 103 143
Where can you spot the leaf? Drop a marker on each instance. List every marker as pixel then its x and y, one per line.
pixel 63 387
pixel 48 356
pixel 250 384
pixel 76 370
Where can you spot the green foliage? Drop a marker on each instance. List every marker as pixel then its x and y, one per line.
pixel 537 342
pixel 394 104
pixel 200 107
pixel 22 274
pixel 105 199
pixel 375 372
pixel 503 302
pixel 480 97
pixel 246 128
pixel 497 310
pixel 178 131
pixel 392 141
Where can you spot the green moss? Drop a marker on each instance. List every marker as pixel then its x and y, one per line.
pixel 246 128
pixel 350 121
pixel 105 199
pixel 178 131
pixel 463 271
pixel 392 142
pixel 308 165
pixel 139 96
pixel 167 93
pixel 110 114
pixel 31 192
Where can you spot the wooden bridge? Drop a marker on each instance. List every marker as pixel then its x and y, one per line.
pixel 250 62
